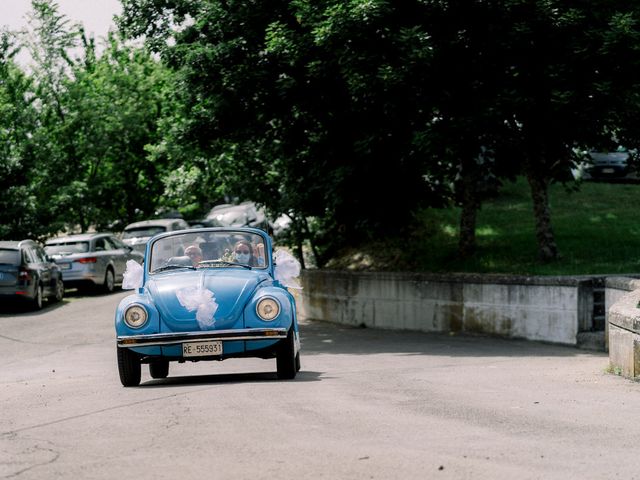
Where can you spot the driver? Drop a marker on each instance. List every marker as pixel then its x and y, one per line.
pixel 194 253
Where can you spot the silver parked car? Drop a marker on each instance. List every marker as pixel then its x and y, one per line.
pixel 91 259
pixel 137 234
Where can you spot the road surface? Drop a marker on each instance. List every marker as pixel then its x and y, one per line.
pixel 368 404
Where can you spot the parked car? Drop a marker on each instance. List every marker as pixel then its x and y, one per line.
pixel 609 165
pixel 138 234
pixel 246 214
pixel 91 259
pixel 606 166
pixel 221 303
pixel 203 222
pixel 26 272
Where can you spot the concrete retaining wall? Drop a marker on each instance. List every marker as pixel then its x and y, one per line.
pixel 623 321
pixel 552 309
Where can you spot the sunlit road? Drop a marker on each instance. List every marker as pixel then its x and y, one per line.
pixel 367 404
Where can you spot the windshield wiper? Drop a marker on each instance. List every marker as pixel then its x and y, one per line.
pixel 172 266
pixel 204 263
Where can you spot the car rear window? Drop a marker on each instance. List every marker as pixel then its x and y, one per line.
pixel 9 256
pixel 67 248
pixel 143 232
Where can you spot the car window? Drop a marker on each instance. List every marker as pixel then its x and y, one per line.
pixel 100 245
pixel 228 249
pixel 40 255
pixel 30 256
pixel 112 243
pixel 9 256
pixel 66 248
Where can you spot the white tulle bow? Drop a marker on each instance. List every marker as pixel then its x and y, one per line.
pixel 200 299
pixel 132 277
pixel 287 269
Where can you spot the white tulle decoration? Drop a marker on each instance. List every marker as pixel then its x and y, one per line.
pixel 287 269
pixel 202 300
pixel 132 277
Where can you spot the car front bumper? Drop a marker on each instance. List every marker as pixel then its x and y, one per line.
pixel 163 339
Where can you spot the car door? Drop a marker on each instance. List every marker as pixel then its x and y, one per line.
pixel 118 254
pixel 103 256
pixel 38 262
pixel 49 269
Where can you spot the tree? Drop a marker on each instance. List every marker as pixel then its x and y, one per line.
pixel 298 104
pixel 115 103
pixel 19 214
pixel 559 89
pixel 357 112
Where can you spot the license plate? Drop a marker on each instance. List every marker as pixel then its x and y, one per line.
pixel 202 349
pixel 608 170
pixel 65 266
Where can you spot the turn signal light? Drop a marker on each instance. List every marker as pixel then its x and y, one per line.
pixel 87 260
pixel 24 275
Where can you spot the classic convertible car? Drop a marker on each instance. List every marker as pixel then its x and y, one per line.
pixel 207 294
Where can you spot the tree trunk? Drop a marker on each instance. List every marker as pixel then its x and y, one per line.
pixel 547 248
pixel 467 240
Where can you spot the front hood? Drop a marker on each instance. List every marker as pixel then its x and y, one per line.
pixel 232 289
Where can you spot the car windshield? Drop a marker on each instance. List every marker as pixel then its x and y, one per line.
pixel 66 248
pixel 143 232
pixel 208 249
pixel 9 256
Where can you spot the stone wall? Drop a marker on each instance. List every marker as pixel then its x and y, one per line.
pixel 552 309
pixel 623 322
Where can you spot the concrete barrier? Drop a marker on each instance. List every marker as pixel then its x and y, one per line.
pixel 551 309
pixel 623 323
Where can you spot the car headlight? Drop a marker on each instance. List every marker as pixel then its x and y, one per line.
pixel 135 316
pixel 268 308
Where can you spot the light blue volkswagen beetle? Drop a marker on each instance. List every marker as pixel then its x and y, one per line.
pixel 206 294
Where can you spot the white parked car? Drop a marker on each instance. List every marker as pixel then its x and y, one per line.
pixel 137 234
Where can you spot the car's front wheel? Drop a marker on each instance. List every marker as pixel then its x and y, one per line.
pixel 129 367
pixel 286 358
pixel 159 369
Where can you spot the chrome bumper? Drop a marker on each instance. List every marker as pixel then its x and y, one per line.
pixel 156 339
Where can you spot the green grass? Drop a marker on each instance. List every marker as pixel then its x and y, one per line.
pixel 597 230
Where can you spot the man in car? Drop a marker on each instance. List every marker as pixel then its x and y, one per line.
pixel 194 253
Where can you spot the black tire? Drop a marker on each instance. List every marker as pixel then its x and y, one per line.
pixel 129 367
pixel 159 369
pixel 286 358
pixel 37 300
pixel 298 362
pixel 109 281
pixel 59 291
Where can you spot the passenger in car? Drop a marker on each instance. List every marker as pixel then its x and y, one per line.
pixel 194 253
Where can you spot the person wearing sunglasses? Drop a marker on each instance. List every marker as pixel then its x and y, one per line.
pixel 243 253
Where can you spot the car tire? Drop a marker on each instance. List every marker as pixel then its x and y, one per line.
pixel 286 358
pixel 109 281
pixel 129 367
pixel 159 369
pixel 37 300
pixel 59 291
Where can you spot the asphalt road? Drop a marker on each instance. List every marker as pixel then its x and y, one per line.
pixel 367 405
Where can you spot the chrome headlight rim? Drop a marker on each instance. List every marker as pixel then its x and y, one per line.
pixel 268 317
pixel 139 323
